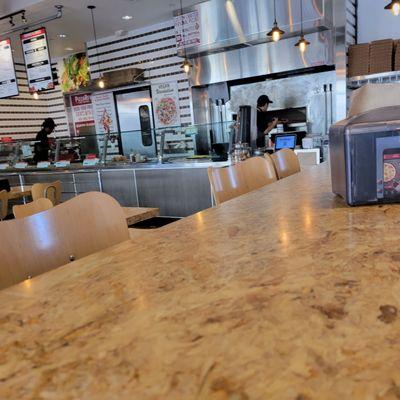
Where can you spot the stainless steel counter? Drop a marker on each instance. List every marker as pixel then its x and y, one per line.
pixel 178 188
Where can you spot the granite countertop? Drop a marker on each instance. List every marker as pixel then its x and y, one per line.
pixel 282 294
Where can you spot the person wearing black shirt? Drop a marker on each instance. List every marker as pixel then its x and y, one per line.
pixel 43 147
pixel 264 124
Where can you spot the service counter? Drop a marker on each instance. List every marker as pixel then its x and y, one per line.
pixel 179 188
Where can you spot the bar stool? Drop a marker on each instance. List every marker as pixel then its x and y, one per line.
pixel 286 163
pixel 32 208
pixel 75 229
pixel 258 172
pixel 51 191
pixel 227 183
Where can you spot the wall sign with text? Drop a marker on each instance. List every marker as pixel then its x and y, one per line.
pixel 37 60
pixel 104 112
pixel 166 104
pixel 8 79
pixel 187 29
pixel 82 111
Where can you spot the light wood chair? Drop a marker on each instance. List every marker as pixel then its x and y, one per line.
pixel 35 207
pixel 286 163
pixel 81 226
pixel 258 172
pixel 3 204
pixel 227 183
pixel 51 191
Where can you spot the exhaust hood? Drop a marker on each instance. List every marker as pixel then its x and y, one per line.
pixel 217 26
pixel 227 40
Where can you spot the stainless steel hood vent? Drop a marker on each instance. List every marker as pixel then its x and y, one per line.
pixel 234 24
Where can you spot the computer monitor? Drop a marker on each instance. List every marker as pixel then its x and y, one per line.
pixel 285 142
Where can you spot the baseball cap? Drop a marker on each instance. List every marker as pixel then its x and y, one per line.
pixel 262 100
pixel 49 123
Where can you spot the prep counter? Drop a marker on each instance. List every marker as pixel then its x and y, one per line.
pixel 178 188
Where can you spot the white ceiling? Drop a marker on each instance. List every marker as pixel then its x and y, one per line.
pixel 76 20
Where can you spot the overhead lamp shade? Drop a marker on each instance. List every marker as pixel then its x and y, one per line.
pixel 394 7
pixel 302 44
pixel 275 33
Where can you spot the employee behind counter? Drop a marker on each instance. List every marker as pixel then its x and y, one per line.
pixel 42 148
pixel 264 123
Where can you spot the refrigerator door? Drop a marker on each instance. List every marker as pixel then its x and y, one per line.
pixel 135 116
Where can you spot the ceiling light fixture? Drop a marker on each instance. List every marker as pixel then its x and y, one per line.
pixel 36 95
pixel 303 42
pixel 186 65
pixel 101 82
pixel 62 35
pixel 394 7
pixel 12 23
pixel 275 33
pixel 32 24
pixel 23 18
pixel 69 49
pixel 127 17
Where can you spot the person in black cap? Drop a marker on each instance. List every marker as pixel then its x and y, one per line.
pixel 264 124
pixel 43 147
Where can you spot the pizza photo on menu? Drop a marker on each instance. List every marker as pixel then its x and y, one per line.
pixel 166 110
pixel 389 172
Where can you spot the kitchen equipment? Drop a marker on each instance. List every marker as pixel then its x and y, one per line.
pixel 135 119
pixel 307 143
pixel 365 157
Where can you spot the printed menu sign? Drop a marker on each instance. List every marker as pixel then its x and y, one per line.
pixel 166 104
pixel 37 60
pixel 104 112
pixel 82 111
pixel 8 79
pixel 187 29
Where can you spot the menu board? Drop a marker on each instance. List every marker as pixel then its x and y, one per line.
pixel 166 104
pixel 37 60
pixel 82 111
pixel 8 79
pixel 187 29
pixel 104 112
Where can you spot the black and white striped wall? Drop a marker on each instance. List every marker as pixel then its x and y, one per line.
pixel 21 116
pixel 153 49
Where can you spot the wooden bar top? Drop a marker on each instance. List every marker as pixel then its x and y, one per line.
pixel 285 294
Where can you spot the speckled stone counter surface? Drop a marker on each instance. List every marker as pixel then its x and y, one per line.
pixel 283 294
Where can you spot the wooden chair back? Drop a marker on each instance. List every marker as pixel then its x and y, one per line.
pixel 3 204
pixel 286 163
pixel 35 207
pixel 51 191
pixel 81 226
pixel 258 172
pixel 227 183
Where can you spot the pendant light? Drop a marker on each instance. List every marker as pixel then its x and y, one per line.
pixel 186 65
pixel 303 42
pixel 394 7
pixel 275 33
pixel 101 82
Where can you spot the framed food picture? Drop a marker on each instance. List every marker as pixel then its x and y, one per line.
pixel 166 104
pixel 74 72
